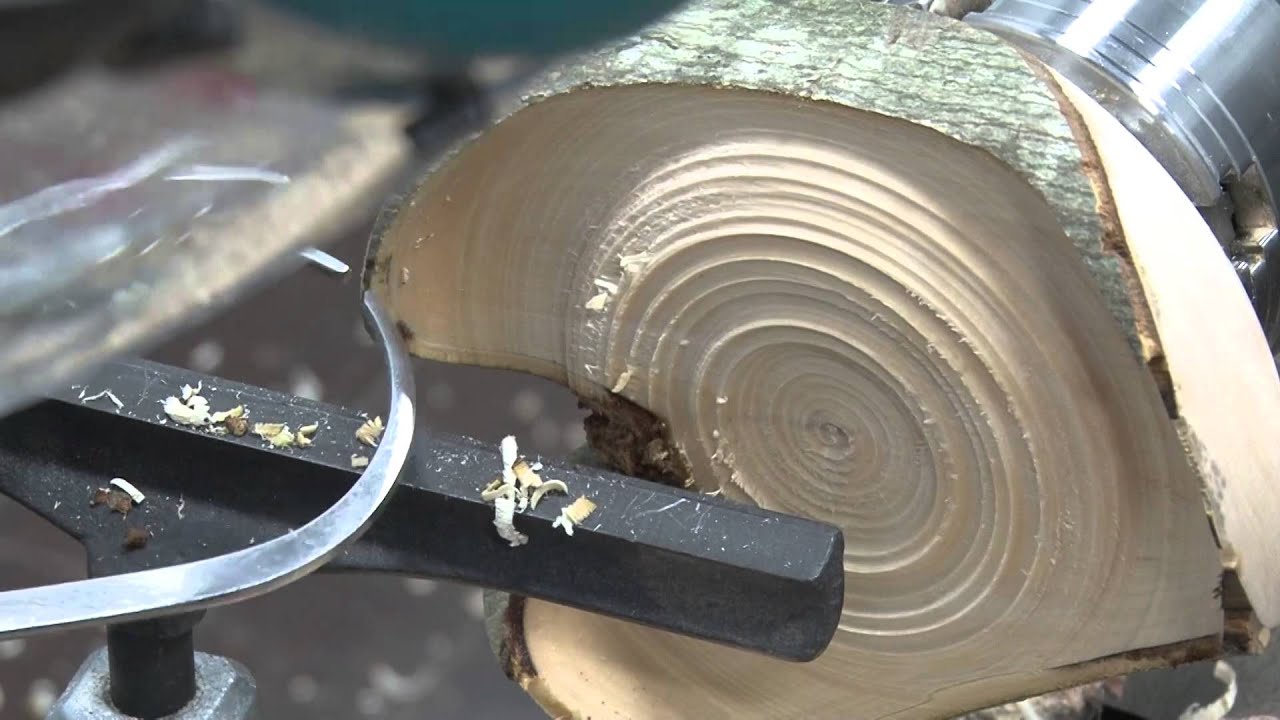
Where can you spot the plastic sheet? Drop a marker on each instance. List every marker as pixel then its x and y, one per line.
pixel 118 200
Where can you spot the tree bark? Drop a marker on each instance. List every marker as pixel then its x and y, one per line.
pixel 879 268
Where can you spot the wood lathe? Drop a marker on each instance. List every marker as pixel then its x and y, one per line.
pixel 929 360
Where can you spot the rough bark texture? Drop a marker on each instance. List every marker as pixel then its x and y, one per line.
pixel 628 439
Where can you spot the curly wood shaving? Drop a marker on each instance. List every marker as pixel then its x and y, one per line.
pixel 506 490
pixel 284 439
pixel 134 493
pixel 510 452
pixel 104 394
pixel 194 411
pixel 277 434
pixel 370 432
pixel 574 514
pixel 504 513
pixel 222 417
pixel 525 476
pixel 266 430
pixel 303 437
pixel 547 486
pixel 520 487
pixel 1221 707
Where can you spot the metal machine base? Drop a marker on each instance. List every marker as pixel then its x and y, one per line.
pixel 225 691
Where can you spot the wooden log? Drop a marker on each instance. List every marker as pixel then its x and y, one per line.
pixel 879 268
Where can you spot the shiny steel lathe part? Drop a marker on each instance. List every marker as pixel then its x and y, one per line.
pixel 1198 83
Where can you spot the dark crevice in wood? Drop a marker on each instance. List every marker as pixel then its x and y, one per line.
pixel 1158 656
pixel 514 656
pixel 631 440
pixel 1242 631
pixel 1113 240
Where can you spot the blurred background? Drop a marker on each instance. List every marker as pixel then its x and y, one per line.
pixel 327 646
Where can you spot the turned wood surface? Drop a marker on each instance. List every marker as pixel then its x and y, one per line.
pixel 917 66
pixel 879 280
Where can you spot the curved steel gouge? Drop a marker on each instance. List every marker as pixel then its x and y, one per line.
pixel 247 572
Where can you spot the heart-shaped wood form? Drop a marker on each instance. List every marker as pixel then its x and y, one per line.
pixel 879 269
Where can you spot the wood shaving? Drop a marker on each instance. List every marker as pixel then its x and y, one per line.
pixel 509 451
pixel 225 415
pixel 547 486
pixel 721 400
pixel 359 461
pixel 104 394
pixel 370 432
pixel 518 488
pixel 506 490
pixel 283 439
pixel 136 538
pixel 237 425
pixel 632 264
pixel 609 287
pixel 192 409
pixel 525 476
pixel 267 430
pixel 303 437
pixel 134 493
pixel 574 514
pixel 404 276
pixel 504 513
pixel 117 500
pixel 193 412
pixel 277 434
pixel 1220 707
pixel 623 379
pixel 510 458
pixel 598 302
